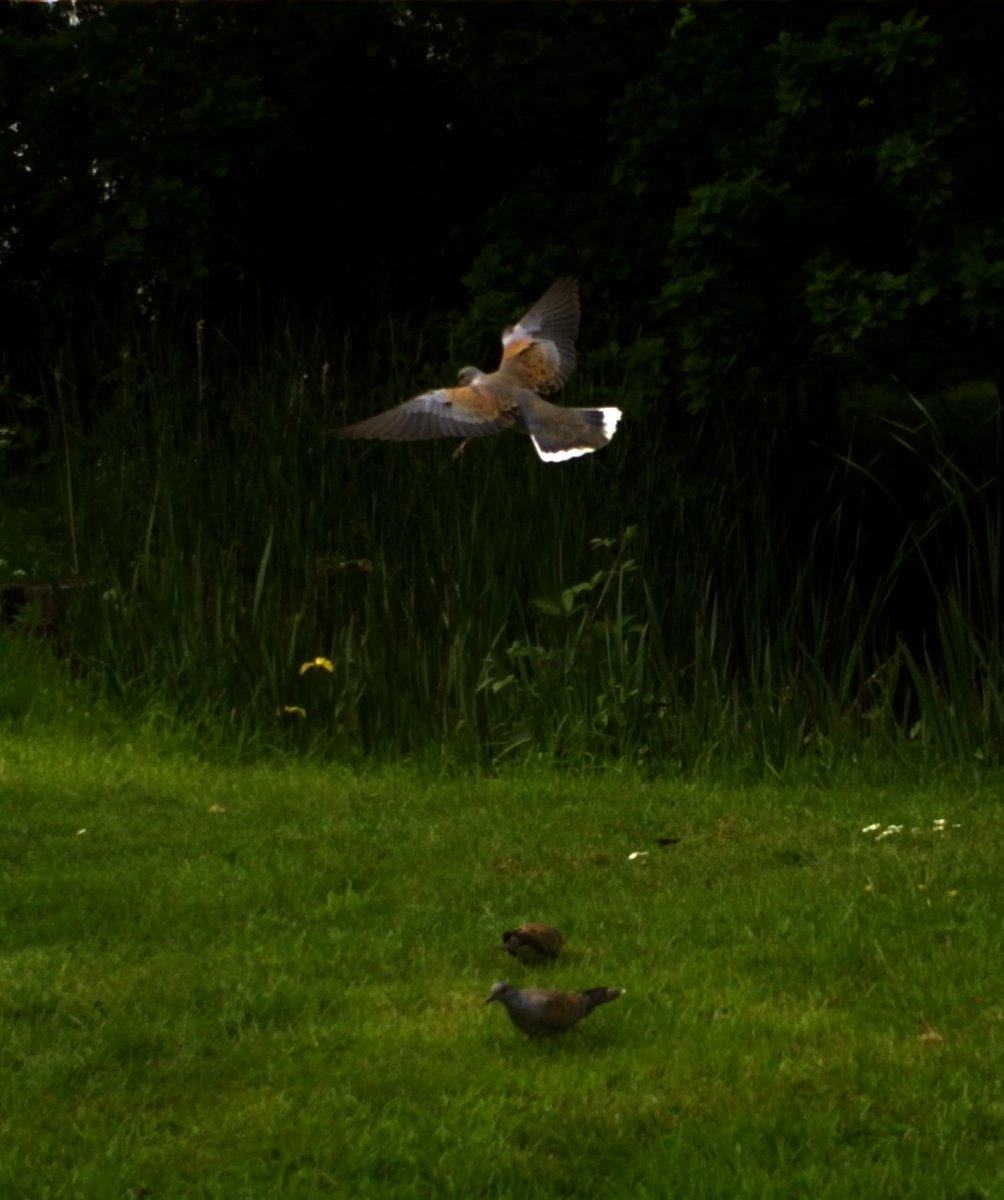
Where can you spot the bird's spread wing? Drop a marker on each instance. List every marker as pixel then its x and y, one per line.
pixel 538 351
pixel 462 412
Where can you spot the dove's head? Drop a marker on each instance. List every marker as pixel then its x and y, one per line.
pixel 499 991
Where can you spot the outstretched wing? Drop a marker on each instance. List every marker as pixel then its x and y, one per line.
pixel 446 412
pixel 538 352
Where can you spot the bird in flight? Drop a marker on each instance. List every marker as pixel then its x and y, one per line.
pixel 538 355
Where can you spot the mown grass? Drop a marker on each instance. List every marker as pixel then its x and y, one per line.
pixel 268 980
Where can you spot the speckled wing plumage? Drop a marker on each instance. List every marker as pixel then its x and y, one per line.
pixel 538 352
pixel 538 356
pixel 544 1012
pixel 533 943
pixel 446 412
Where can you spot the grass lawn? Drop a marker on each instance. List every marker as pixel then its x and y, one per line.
pixel 269 980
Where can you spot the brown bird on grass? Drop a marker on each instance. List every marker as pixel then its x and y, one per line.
pixel 538 355
pixel 543 1012
pixel 533 944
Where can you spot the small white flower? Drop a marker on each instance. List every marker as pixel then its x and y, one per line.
pixel 637 854
pixel 871 828
pixel 888 832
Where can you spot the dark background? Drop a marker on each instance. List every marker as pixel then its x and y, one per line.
pixel 785 219
pixel 766 202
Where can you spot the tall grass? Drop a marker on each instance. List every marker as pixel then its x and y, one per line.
pixel 957 672
pixel 657 600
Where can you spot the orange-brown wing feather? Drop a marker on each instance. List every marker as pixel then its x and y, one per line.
pixel 464 412
pixel 538 352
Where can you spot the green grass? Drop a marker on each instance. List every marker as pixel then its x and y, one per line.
pixel 268 980
pixel 250 915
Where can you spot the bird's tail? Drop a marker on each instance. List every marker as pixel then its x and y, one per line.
pixel 562 433
pixel 601 995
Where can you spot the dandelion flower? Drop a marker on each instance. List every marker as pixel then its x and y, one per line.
pixel 323 664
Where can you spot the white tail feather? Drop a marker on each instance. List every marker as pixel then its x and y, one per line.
pixel 560 455
pixel 611 419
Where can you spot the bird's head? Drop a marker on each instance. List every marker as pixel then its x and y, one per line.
pixel 467 375
pixel 499 991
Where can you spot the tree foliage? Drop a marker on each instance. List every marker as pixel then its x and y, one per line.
pixel 764 201
pixel 828 216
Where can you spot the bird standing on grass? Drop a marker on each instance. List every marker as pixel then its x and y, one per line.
pixel 533 944
pixel 538 355
pixel 541 1011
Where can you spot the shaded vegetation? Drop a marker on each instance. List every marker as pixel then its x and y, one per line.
pixel 229 228
pixel 674 612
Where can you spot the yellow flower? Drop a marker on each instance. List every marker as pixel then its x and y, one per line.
pixel 325 664
pixel 291 710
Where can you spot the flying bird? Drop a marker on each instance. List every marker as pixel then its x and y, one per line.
pixel 538 355
pixel 542 1011
pixel 533 944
